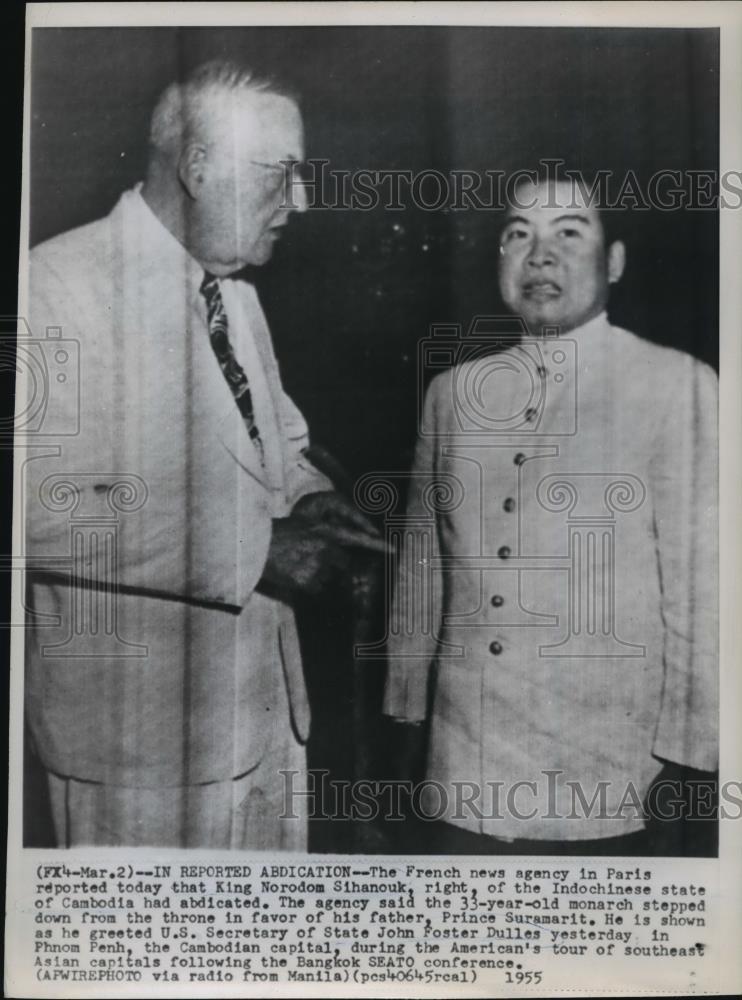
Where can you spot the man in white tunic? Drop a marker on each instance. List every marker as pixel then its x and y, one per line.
pixel 567 646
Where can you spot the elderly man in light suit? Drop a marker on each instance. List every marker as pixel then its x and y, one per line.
pixel 571 580
pixel 167 718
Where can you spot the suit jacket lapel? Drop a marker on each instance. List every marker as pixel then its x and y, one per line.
pixel 230 429
pixel 247 329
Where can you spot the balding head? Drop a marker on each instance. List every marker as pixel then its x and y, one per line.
pixel 186 108
pixel 216 179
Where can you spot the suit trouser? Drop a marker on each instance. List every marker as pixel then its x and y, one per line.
pixel 244 813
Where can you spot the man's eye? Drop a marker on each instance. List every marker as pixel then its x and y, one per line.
pixel 513 235
pixel 568 232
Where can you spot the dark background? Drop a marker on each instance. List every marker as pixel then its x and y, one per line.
pixel 347 295
pixel 346 323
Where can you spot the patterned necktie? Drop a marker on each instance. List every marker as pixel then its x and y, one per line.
pixel 230 366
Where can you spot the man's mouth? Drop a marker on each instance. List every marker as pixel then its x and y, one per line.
pixel 541 289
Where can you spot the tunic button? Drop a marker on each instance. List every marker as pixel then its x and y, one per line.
pixel 495 648
pixel 519 458
pixel 509 505
pixel 503 552
pixel 497 600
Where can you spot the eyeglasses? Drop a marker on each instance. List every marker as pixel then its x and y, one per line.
pixel 293 171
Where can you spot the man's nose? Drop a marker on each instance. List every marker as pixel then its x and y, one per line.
pixel 541 253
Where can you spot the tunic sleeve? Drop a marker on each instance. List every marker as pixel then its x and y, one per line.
pixel 685 491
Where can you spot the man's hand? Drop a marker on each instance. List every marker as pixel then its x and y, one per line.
pixel 332 516
pixel 309 550
pixel 301 560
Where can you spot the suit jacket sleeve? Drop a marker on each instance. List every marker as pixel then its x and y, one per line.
pixel 300 475
pixel 683 479
pixel 416 606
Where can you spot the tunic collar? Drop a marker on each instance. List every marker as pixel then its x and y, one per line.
pixel 593 329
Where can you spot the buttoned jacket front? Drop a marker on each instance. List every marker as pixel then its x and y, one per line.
pixel 562 516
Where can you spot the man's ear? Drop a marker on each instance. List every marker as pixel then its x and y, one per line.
pixel 615 261
pixel 191 168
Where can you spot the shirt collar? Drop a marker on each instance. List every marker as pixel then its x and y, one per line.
pixel 165 253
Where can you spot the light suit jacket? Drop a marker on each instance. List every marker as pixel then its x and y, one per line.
pixel 182 671
pixel 564 581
